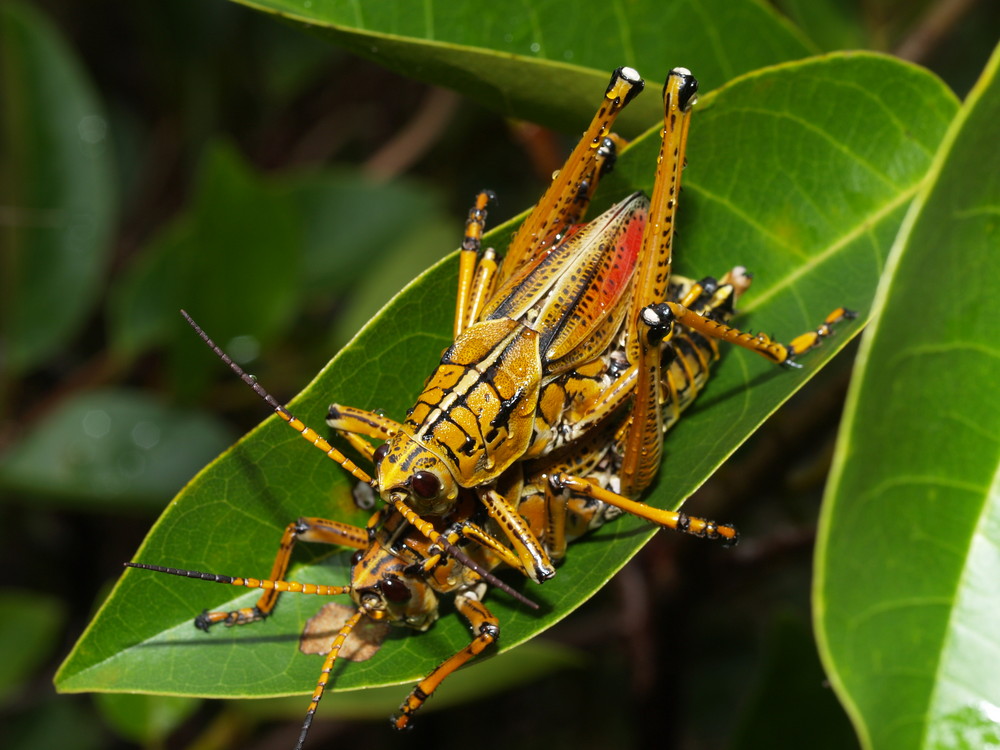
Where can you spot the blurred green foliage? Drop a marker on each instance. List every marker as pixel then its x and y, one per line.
pixel 202 154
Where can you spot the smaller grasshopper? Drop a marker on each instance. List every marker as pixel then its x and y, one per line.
pixel 397 576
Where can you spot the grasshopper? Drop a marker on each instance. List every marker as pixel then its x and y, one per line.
pixel 528 372
pixel 545 418
pixel 551 342
pixel 568 334
pixel 397 576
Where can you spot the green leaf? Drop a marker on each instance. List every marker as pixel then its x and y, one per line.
pixel 831 24
pixel 112 448
pixel 233 261
pixel 29 630
pixel 344 214
pixel 56 192
pixel 543 61
pixel 908 577
pixel 802 172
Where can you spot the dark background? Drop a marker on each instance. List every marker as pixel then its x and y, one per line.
pixel 710 642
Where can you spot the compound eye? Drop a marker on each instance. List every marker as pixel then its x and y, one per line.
pixel 425 484
pixel 394 589
pixel 356 557
pixel 380 453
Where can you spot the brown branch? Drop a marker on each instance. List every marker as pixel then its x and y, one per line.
pixel 933 27
pixel 412 141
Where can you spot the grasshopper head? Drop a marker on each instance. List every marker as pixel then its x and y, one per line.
pixel 384 590
pixel 405 469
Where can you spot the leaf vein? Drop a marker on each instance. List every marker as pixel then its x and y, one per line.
pixel 624 32
pixel 834 247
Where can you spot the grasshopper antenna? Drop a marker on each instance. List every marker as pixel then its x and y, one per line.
pixel 297 424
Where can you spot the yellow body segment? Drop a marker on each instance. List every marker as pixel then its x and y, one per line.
pixel 475 414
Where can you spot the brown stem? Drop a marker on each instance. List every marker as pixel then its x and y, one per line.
pixel 932 28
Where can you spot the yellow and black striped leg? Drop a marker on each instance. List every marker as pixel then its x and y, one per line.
pixel 568 195
pixel 270 587
pixel 486 628
pixel 570 517
pixel 354 425
pixel 534 561
pixel 427 529
pixel 651 322
pixel 760 343
pixel 653 275
pixel 303 530
pixel 812 339
pixel 643 438
pixel 479 535
pixel 670 519
pixel 361 422
pixel 467 261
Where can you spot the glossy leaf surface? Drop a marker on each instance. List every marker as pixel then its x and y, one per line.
pixel 908 573
pixel 543 60
pixel 801 172
pixel 112 448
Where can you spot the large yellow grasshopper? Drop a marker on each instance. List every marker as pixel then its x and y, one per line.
pixel 566 333
pixel 566 336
